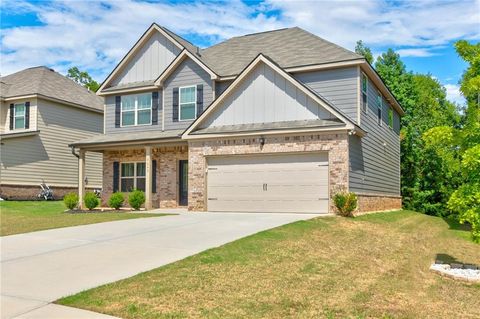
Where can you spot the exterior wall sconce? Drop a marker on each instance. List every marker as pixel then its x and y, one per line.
pixel 262 141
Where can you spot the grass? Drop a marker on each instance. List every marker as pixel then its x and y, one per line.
pixel 371 266
pixel 22 217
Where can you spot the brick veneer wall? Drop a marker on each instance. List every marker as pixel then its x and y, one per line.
pixel 335 144
pixel 374 203
pixel 167 172
pixel 27 192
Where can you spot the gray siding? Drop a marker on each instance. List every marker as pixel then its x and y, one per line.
pixel 187 73
pixel 221 86
pixel 27 160
pixel 149 62
pixel 265 96
pixel 375 158
pixel 339 86
pixel 110 117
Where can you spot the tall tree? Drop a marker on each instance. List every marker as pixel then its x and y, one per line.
pixel 83 78
pixel 361 49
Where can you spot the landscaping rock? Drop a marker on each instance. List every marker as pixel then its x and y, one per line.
pixel 457 271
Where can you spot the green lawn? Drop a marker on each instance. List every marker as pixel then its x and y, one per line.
pixel 374 266
pixel 23 217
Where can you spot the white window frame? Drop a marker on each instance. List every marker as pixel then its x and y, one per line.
pixel 135 110
pixel 379 108
pixel 180 104
pixel 15 116
pixel 365 110
pixel 134 174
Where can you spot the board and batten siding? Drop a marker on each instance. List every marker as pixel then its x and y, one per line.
pixel 265 96
pixel 46 156
pixel 339 86
pixel 110 117
pixel 375 158
pixel 5 116
pixel 186 74
pixel 154 57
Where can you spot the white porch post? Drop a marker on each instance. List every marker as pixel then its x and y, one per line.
pixel 148 177
pixel 81 177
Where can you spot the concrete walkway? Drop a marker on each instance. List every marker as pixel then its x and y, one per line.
pixel 41 267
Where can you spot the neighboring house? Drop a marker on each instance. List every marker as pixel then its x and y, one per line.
pixel 276 121
pixel 41 113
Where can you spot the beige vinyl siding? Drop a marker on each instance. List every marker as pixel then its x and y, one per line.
pixel 27 160
pixel 5 116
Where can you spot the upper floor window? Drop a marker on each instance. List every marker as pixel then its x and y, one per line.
pixel 132 176
pixel 136 109
pixel 379 108
pixel 364 92
pixel 390 117
pixel 188 103
pixel 19 112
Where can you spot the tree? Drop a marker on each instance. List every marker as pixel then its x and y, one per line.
pixel 83 78
pixel 361 49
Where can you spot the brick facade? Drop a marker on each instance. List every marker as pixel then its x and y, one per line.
pixel 167 172
pixel 27 192
pixel 335 144
pixel 375 203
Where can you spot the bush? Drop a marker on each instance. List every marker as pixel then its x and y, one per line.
pixel 116 200
pixel 91 201
pixel 136 199
pixel 71 200
pixel 346 203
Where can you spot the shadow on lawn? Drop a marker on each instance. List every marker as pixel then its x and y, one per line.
pixel 455 225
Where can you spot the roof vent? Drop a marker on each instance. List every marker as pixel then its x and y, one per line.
pixel 198 51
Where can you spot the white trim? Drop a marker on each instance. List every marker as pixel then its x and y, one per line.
pixel 163 109
pixel 15 116
pixel 177 61
pixel 247 71
pixel 135 176
pixel 129 90
pixel 359 96
pixel 134 50
pixel 135 110
pixel 180 103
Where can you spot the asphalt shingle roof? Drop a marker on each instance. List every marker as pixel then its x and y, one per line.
pixel 45 81
pixel 129 137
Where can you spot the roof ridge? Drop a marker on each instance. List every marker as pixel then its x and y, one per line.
pixel 168 30
pixel 261 32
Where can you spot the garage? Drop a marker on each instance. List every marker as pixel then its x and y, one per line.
pixel 282 183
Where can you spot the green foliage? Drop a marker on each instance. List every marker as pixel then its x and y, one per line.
pixel 71 200
pixel 361 49
pixel 470 84
pixel 91 201
pixel 116 200
pixel 345 203
pixel 466 202
pixel 136 199
pixel 83 78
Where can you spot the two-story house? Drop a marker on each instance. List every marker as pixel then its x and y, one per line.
pixel 277 121
pixel 41 113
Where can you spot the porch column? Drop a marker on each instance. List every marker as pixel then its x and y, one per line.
pixel 148 177
pixel 81 177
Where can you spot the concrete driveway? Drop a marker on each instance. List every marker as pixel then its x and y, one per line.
pixel 41 267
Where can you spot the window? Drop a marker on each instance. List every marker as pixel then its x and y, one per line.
pixel 132 176
pixel 19 116
pixel 188 103
pixel 137 109
pixel 390 117
pixel 364 92
pixel 379 108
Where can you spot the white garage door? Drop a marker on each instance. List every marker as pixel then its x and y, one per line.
pixel 293 183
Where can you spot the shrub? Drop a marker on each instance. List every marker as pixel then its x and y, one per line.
pixel 116 200
pixel 70 200
pixel 346 203
pixel 91 201
pixel 136 199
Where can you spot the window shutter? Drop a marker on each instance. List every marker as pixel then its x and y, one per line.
pixel 199 99
pixel 118 101
pixel 12 111
pixel 116 176
pixel 27 115
pixel 154 108
pixel 175 105
pixel 154 176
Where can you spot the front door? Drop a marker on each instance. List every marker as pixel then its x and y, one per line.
pixel 183 183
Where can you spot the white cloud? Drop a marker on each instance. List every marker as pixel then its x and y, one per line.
pixel 453 94
pixel 95 35
pixel 418 52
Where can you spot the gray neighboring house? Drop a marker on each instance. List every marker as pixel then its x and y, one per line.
pixel 41 113
pixel 276 121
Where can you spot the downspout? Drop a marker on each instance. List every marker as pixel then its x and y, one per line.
pixel 73 152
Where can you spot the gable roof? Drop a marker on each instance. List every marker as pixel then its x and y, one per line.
pixel 247 70
pixel 291 47
pixel 46 82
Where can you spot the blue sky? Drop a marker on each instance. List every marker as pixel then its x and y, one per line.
pixel 95 35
